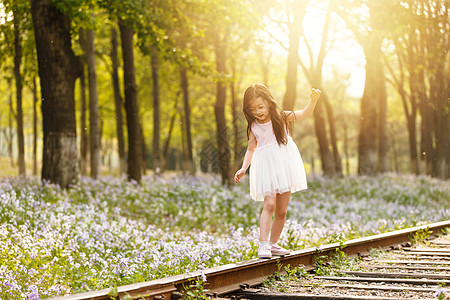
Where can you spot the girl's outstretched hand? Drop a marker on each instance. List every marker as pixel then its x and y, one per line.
pixel 239 175
pixel 315 94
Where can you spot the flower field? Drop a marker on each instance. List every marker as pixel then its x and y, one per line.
pixel 110 232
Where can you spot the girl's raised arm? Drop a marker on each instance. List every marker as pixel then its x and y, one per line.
pixel 308 110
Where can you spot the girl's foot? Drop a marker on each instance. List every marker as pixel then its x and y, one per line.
pixel 265 251
pixel 278 251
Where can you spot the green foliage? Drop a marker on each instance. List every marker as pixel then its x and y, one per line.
pixel 285 274
pixel 334 265
pixel 420 236
pixel 195 289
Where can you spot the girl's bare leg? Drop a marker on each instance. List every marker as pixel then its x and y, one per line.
pixel 281 205
pixel 265 220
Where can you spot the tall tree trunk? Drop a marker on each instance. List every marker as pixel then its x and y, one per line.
pixel 118 102
pixel 326 157
pixel 346 152
pixel 35 101
pixel 84 139
pixel 131 104
pixel 58 70
pixel 333 138
pixel 406 60
pixel 223 156
pixel 144 150
pixel 19 85
pixel 190 166
pixel 372 142
pixel 11 116
pixel 331 162
pixel 264 62
pixel 374 93
pixel 395 152
pixel 156 112
pixel 234 113
pixel 295 29
pixel 94 132
pixel 165 151
pixel 382 157
pixel 183 142
pixel 379 12
pixel 439 97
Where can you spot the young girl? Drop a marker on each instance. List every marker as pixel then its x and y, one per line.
pixel 277 167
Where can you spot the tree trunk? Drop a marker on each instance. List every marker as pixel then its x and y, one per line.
pixel 11 116
pixel 440 100
pixel 379 12
pixel 165 151
pixel 35 101
pixel 223 157
pixel 407 60
pixel 236 160
pixel 144 151
pixel 346 152
pixel 374 93
pixel 183 142
pixel 332 129
pixel 19 85
pixel 328 165
pixel 295 29
pixel 395 152
pixel 156 112
pixel 94 132
pixel 58 70
pixel 382 163
pixel 190 166
pixel 118 102
pixel 84 138
pixel 331 163
pixel 131 104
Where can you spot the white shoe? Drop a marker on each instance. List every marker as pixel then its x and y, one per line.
pixel 278 251
pixel 265 251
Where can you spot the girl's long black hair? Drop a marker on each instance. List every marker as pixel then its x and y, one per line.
pixel 279 118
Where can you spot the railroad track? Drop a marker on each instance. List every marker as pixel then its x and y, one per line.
pixel 406 272
pixel 242 277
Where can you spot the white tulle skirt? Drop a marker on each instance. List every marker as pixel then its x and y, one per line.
pixel 276 170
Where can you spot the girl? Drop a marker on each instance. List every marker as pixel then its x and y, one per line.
pixel 277 167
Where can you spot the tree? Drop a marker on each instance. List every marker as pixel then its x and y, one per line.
pixel 118 102
pixel 131 103
pixel 58 70
pixel 94 132
pixel 187 119
pixel 156 111
pixel 88 46
pixel 323 113
pixel 331 162
pixel 372 141
pixel 419 77
pixel 295 28
pixel 18 15
pixel 20 25
pixel 235 27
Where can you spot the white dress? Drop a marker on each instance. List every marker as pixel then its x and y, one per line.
pixel 274 169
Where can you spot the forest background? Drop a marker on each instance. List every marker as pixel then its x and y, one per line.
pixel 95 87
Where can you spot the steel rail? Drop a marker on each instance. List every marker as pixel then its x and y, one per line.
pixel 228 278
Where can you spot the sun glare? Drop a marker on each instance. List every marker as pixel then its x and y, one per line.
pixel 345 55
pixel 4 17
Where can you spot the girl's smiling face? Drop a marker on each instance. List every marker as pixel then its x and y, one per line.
pixel 260 110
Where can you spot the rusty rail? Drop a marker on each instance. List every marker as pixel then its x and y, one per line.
pixel 228 278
